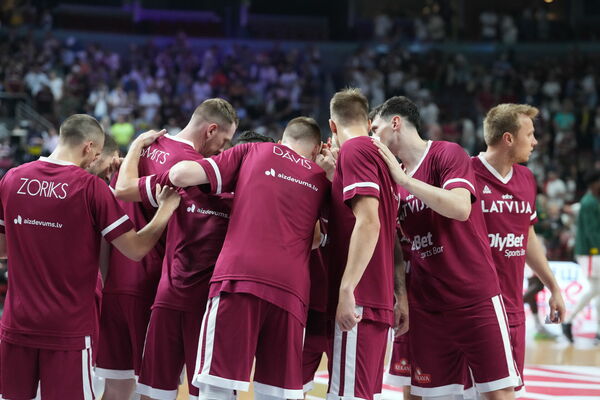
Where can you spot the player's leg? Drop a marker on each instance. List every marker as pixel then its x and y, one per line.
pixel 163 357
pixel 591 266
pixel 438 365
pixel 19 371
pixel 278 369
pixel 517 339
pixel 191 325
pixel 224 360
pixel 315 344
pixel 356 367
pixel 66 374
pixel 123 323
pixel 482 332
pixel 398 374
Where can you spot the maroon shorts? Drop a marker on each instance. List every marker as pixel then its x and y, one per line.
pixel 399 374
pixel 517 338
pixel 61 374
pixel 171 342
pixel 448 346
pixel 315 344
pixel 356 367
pixel 238 327
pixel 123 323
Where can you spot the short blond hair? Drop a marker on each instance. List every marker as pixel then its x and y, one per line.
pixel 349 106
pixel 217 111
pixel 505 118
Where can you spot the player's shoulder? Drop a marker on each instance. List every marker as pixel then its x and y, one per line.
pixel 522 170
pixel 444 147
pixel 359 147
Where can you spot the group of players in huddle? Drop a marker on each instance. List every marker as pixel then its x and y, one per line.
pixel 215 258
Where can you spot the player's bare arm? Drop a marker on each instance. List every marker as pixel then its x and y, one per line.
pixel 362 245
pixel 401 306
pixel 187 173
pixel 454 203
pixel 316 242
pixel 536 259
pixel 136 245
pixel 126 187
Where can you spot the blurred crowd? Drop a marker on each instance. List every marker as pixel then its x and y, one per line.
pixel 158 87
pixel 155 87
pixel 454 92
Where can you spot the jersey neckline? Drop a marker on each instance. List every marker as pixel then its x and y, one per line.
pixel 493 171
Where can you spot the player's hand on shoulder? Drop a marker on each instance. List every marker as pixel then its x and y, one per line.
pixel 390 159
pixel 167 197
pixel 147 138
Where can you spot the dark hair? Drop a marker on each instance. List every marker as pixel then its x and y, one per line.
pixel 252 137
pixel 110 145
pixel 349 106
pixel 303 128
pixel 402 106
pixel 375 112
pixel 78 128
pixel 591 177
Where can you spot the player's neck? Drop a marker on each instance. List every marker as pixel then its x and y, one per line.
pixel 66 154
pixel 350 132
pixel 188 134
pixel 411 151
pixel 499 160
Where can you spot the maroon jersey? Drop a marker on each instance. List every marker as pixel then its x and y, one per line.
pixel 508 205
pixel 141 278
pixel 195 236
pixel 360 171
pixel 319 259
pixel 278 197
pixel 451 263
pixel 53 214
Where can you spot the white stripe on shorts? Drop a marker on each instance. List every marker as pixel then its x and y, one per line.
pixel 209 324
pixel 513 374
pixel 349 361
pixel 86 376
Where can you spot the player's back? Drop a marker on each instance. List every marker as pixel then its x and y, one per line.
pixel 54 214
pixel 361 171
pixel 141 278
pixel 278 196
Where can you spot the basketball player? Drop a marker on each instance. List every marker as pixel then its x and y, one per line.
pixel 260 285
pixel 194 239
pixel 103 167
pixel 456 312
pixel 108 162
pixel 363 230
pixel 130 290
pixel 52 216
pixel 507 194
pixel 587 250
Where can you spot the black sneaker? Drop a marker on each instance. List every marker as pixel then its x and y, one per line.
pixel 567 329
